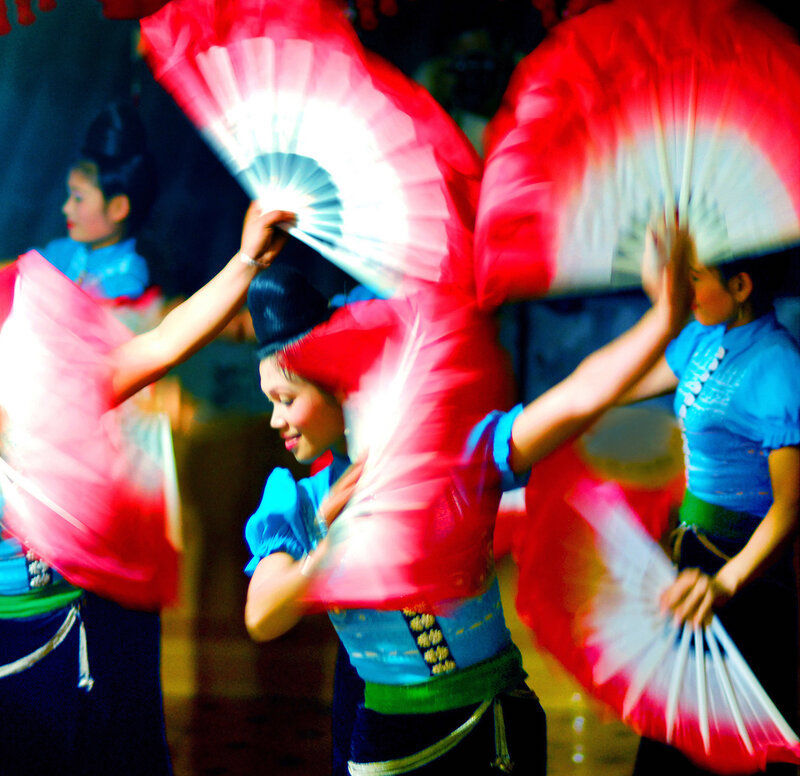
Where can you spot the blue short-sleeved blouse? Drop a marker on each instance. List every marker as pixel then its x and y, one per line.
pixel 746 407
pixel 110 272
pixel 381 644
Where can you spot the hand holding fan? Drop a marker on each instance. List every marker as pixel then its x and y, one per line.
pixel 417 531
pixel 635 110
pixel 88 487
pixel 383 182
pixel 589 587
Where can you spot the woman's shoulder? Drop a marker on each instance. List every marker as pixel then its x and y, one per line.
pixel 774 350
pixel 284 520
pixel 770 386
pixel 59 252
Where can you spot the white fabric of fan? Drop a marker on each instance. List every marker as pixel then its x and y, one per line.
pixel 301 136
pixel 382 180
pixel 698 671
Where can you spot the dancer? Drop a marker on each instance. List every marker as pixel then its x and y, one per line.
pixel 737 374
pixel 111 189
pixel 430 680
pixel 92 704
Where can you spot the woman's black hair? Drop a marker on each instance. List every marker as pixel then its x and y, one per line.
pixel 284 307
pixel 767 273
pixel 116 143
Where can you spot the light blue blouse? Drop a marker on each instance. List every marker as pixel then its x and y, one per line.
pixel 746 407
pixel 382 644
pixel 114 271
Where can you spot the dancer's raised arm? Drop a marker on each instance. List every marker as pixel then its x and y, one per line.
pixel 203 315
pixel 602 378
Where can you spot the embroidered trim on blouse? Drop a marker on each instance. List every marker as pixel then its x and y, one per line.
pixel 430 641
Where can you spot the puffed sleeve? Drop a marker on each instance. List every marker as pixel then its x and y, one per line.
pixel 770 396
pixel 680 351
pixel 493 434
pixel 279 524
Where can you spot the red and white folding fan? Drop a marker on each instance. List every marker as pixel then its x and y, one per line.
pixel 90 488
pixel 635 110
pixel 383 181
pixel 417 531
pixel 637 448
pixel 589 587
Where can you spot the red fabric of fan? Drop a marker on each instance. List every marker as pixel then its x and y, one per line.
pixel 590 579
pixel 637 448
pixel 383 181
pixel 632 111
pixel 417 532
pixel 87 486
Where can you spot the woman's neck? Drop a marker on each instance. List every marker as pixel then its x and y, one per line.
pixel 744 315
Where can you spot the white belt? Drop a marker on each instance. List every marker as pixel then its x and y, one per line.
pixel 441 747
pixel 85 680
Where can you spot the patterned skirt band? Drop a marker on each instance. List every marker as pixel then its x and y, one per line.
pixel 28 585
pixel 22 571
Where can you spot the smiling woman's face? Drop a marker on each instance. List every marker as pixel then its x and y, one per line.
pixel 309 420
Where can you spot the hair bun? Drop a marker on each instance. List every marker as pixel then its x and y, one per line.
pixel 116 133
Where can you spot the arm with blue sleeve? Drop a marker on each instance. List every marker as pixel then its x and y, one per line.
pixel 285 552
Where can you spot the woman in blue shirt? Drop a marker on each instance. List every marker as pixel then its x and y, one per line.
pixel 111 190
pixel 736 372
pixel 80 687
pixel 443 694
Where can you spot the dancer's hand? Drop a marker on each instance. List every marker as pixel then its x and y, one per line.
pixel 693 596
pixel 669 253
pixel 262 235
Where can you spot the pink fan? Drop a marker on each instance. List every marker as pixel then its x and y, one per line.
pixel 90 488
pixel 383 181
pixel 417 532
pixel 632 111
pixel 590 580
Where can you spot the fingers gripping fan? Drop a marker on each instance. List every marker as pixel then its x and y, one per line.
pixel 589 585
pixel 632 111
pixel 383 182
pixel 89 487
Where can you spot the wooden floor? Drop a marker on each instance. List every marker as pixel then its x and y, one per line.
pixel 241 709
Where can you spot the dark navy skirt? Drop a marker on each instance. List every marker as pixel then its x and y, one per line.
pixel 48 724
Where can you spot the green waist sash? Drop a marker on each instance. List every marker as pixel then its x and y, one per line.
pixel 473 685
pixel 716 520
pixel 47 599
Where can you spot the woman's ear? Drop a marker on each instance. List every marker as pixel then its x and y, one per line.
pixel 741 286
pixel 118 208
